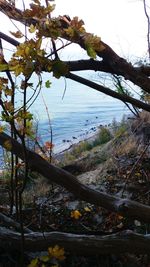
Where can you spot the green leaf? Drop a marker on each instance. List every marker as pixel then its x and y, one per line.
pixel 59 69
pixel 45 258
pixel 38 43
pixel 34 263
pixel 3 66
pixel 90 51
pixel 32 28
pixel 48 84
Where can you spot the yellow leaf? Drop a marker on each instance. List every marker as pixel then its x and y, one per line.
pixel 38 43
pixel 87 209
pixel 3 67
pixel 76 214
pixel 45 258
pixel 47 22
pixel 138 174
pixel 56 252
pixel 27 50
pixel 34 263
pixel 1 129
pixel 8 145
pixel 32 28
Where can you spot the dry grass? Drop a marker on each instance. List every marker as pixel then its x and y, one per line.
pixel 145 116
pixel 38 189
pixel 127 147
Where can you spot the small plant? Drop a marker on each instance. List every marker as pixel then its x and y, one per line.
pixel 114 125
pixel 120 131
pixel 81 147
pixel 68 157
pixel 104 136
pixel 53 258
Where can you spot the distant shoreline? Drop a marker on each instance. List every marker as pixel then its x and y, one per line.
pixel 90 138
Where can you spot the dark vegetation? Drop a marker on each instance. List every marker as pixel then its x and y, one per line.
pixel 89 207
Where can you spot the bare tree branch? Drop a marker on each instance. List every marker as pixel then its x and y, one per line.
pixel 93 65
pixel 107 91
pixel 126 241
pixel 9 39
pixel 126 207
pixel 11 223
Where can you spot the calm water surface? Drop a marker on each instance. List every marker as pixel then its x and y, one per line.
pixel 74 116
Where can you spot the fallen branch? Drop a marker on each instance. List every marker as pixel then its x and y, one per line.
pixel 126 207
pixel 126 241
pixel 100 88
pixel 11 223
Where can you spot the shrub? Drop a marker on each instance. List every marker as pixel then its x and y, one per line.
pixel 81 147
pixel 120 131
pixel 103 137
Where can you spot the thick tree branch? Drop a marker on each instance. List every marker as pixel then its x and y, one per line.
pixel 144 69
pixel 11 223
pixel 122 242
pixel 92 65
pixel 126 207
pixel 87 64
pixel 9 39
pixel 14 13
pixel 107 91
pixel 96 65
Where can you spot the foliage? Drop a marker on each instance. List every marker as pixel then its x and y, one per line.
pixel 31 57
pixel 76 214
pixel 81 147
pixel 54 256
pixel 104 136
pixel 121 130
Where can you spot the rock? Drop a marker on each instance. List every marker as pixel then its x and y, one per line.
pixel 89 177
pixel 72 205
pixel 98 218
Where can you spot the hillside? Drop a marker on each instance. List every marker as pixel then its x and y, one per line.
pixel 115 162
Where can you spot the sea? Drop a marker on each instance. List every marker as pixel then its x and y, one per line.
pixel 73 111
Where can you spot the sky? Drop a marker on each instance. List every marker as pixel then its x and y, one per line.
pixel 120 23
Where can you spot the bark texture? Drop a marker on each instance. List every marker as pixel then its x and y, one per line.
pixel 126 241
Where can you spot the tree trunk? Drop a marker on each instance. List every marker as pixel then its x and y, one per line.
pixel 126 241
